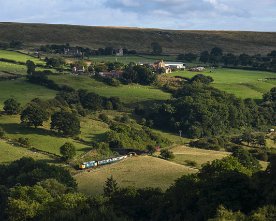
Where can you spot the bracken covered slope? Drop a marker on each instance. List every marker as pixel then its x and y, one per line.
pixel 172 41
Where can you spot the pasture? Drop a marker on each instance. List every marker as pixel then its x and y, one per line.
pixel 13 68
pixel 140 172
pixel 23 91
pixel 127 93
pixel 242 83
pixel 9 153
pixel 44 139
pixel 184 154
pixel 126 59
pixel 19 57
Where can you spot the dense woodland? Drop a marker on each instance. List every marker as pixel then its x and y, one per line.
pixel 200 110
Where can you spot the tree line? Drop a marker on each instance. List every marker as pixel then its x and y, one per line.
pixel 82 51
pixel 217 57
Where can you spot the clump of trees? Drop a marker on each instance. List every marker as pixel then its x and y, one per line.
pixel 34 115
pixel 166 154
pixel 127 136
pixel 254 139
pixel 81 52
pixel 11 106
pixel 217 57
pixel 57 62
pixel 68 151
pixel 200 110
pixel 209 143
pixel 65 123
pixel 139 74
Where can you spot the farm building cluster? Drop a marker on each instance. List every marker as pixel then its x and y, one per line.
pixel 161 67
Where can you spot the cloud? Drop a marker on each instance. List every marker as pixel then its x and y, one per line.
pixel 169 14
pixel 177 7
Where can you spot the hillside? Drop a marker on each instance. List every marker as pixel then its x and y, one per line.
pixel 143 171
pixel 173 42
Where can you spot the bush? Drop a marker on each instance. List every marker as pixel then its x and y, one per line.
pixel 125 119
pixel 2 132
pixel 190 163
pixel 128 136
pixel 11 106
pixel 151 149
pixel 104 118
pixel 24 141
pixel 206 143
pixel 68 151
pixel 167 154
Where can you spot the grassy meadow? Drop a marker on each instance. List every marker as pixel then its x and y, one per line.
pixel 13 68
pixel 19 57
pixel 44 139
pixel 141 171
pixel 200 156
pixel 242 83
pixel 127 93
pixel 23 91
pixel 9 153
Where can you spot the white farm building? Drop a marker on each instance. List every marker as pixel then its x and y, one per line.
pixel 175 65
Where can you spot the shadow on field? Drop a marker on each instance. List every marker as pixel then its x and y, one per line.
pixel 13 128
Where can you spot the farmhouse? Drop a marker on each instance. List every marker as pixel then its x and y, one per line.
pixel 168 66
pixel 78 70
pixel 175 65
pixel 120 52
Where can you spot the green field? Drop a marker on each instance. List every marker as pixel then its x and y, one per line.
pixel 9 153
pixel 200 156
pixel 242 83
pixel 126 59
pixel 42 138
pixel 127 93
pixel 13 68
pixel 142 171
pixel 23 91
pixel 19 57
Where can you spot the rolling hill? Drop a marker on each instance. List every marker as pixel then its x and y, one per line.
pixel 172 41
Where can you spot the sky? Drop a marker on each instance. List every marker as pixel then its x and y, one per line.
pixel 247 15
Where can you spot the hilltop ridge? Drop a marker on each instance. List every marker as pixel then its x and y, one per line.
pixel 139 39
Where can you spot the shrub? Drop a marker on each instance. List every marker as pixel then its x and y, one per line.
pixel 125 119
pixel 11 106
pixel 2 132
pixel 104 118
pixel 68 151
pixel 151 149
pixel 167 154
pixel 24 141
pixel 191 163
pixel 206 143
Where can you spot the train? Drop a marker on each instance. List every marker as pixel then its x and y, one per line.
pixel 92 164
